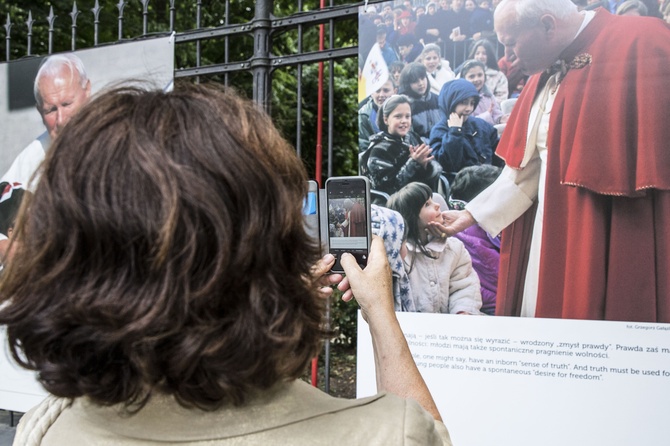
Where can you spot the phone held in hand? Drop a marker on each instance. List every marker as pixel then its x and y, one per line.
pixel 348 204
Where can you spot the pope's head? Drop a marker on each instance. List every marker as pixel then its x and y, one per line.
pixel 61 89
pixel 535 32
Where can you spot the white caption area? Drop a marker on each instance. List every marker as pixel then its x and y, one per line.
pixel 514 381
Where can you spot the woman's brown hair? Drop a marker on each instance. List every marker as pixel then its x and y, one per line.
pixel 164 250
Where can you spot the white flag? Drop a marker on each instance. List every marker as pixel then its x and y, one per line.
pixel 375 70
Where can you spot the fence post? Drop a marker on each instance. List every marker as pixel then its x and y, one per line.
pixel 74 14
pixel 8 38
pixel 120 6
pixel 29 24
pixel 145 16
pixel 172 13
pixel 260 65
pixel 51 19
pixel 96 22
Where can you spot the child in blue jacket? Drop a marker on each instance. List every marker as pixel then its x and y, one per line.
pixel 459 139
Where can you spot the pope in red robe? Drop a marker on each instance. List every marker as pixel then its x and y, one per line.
pixel 357 220
pixel 605 240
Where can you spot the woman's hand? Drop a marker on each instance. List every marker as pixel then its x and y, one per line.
pixel 395 368
pixel 422 154
pixel 325 280
pixel 373 286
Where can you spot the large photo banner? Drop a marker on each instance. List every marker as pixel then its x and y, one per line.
pixel 149 61
pixel 31 114
pixel 560 274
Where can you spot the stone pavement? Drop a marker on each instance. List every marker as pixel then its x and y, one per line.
pixel 6 431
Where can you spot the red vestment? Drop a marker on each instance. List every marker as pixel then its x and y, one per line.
pixel 357 221
pixel 606 230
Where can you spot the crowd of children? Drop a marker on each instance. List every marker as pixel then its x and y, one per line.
pixel 418 130
pixel 413 40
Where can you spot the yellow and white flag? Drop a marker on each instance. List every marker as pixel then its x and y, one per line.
pixel 375 71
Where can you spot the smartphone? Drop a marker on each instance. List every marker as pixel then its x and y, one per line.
pixel 348 204
pixel 310 210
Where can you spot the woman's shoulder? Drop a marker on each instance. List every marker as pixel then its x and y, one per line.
pixel 294 413
pixel 396 421
pixel 37 421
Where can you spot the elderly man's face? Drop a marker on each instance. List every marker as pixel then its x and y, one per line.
pixel 62 97
pixel 531 48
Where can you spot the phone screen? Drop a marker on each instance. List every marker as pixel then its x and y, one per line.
pixel 348 219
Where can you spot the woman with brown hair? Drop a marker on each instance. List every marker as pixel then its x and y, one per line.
pixel 164 289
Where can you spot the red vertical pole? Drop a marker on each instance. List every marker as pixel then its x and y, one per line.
pixel 319 112
pixel 319 156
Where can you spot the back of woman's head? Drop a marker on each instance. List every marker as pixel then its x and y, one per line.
pixel 387 108
pixel 408 201
pixel 164 250
pixel 413 72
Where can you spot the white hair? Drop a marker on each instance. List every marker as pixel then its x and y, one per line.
pixel 530 11
pixel 53 64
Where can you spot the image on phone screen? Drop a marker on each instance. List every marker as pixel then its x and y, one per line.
pixel 348 225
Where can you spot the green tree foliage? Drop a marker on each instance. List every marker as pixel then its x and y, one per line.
pixel 344 114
